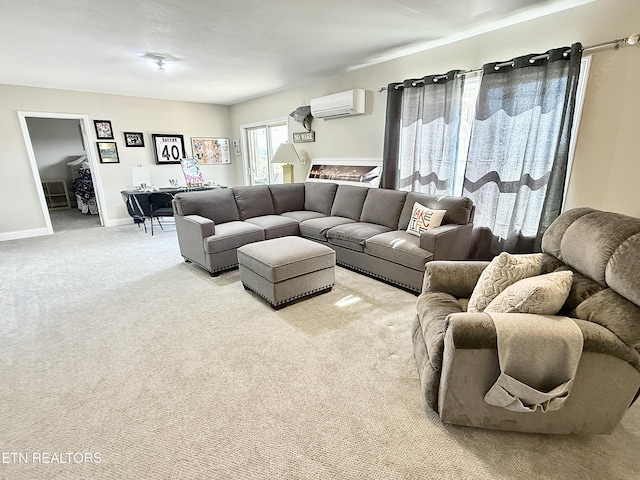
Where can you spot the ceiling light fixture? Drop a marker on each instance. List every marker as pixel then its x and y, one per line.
pixel 159 59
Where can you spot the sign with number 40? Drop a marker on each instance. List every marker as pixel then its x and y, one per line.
pixel 168 149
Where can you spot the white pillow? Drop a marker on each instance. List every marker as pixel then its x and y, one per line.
pixel 503 271
pixel 543 294
pixel 424 218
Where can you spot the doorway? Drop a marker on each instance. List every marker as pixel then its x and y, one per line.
pixel 61 159
pixel 261 142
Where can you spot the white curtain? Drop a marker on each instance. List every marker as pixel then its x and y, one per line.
pixel 518 154
pixel 421 143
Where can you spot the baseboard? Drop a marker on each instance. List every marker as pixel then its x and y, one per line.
pixel 38 232
pixel 17 235
pixel 119 221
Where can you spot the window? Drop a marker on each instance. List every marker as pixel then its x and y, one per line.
pixel 261 142
pixel 469 97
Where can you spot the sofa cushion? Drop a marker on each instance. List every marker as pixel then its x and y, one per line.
pixel 398 247
pixel 275 225
pixel 542 295
pixel 606 232
pixel 253 201
pixel 503 271
pixel 581 289
pixel 459 209
pixel 318 196
pixel 383 207
pixel 354 235
pixel 623 270
pixel 287 197
pixel 424 218
pixel 302 215
pixel 553 235
pixel 316 228
pixel 613 312
pixel 218 205
pixel 348 201
pixel 231 235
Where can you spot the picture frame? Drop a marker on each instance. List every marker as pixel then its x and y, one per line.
pixel 134 139
pixel 168 149
pixel 211 150
pixel 108 152
pixel 192 174
pixel 363 172
pixel 103 129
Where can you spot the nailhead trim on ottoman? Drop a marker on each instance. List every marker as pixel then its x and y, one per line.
pixel 284 269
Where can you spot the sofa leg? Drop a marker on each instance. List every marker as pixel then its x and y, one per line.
pixel 186 260
pixel 214 274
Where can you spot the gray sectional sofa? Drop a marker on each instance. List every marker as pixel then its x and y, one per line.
pixel 365 226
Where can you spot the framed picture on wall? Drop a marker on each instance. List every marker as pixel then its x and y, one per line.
pixel 362 172
pixel 103 129
pixel 108 152
pixel 211 151
pixel 134 139
pixel 168 149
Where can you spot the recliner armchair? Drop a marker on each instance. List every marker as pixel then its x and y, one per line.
pixel 456 350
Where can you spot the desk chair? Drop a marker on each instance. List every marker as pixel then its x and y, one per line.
pixel 160 206
pixel 135 211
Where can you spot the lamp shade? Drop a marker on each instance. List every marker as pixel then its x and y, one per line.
pixel 286 153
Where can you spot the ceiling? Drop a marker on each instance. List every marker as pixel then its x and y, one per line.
pixel 228 51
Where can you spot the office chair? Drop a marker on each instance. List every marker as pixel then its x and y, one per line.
pixel 160 206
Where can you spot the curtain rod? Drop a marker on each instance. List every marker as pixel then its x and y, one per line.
pixel 630 40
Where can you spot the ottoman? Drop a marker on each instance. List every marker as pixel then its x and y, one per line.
pixel 286 268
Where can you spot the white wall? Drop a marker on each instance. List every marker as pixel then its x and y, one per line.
pixel 606 166
pixel 126 114
pixel 605 170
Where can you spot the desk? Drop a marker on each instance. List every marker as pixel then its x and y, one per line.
pixel 137 202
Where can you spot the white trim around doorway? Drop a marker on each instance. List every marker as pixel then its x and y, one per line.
pixel 91 158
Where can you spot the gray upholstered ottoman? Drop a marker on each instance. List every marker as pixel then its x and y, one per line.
pixel 286 268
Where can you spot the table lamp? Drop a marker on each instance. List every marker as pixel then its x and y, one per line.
pixel 286 154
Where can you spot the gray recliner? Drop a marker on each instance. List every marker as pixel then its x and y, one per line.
pixel 456 351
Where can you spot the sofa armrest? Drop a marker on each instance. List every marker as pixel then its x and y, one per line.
pixel 456 278
pixel 472 331
pixel 191 230
pixel 447 242
pixel 196 225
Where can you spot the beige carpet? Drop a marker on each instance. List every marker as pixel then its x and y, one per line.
pixel 114 350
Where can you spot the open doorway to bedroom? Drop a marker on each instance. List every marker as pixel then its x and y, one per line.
pixel 64 169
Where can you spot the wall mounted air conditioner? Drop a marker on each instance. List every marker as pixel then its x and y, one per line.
pixel 340 104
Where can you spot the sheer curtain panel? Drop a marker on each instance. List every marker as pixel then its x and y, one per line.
pixel 519 149
pixel 421 133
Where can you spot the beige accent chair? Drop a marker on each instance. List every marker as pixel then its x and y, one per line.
pixel 456 351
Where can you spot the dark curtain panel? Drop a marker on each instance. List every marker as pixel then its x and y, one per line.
pixel 391 151
pixel 517 160
pixel 421 136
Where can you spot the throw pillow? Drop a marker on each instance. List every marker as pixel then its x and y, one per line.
pixel 503 271
pixel 544 295
pixel 424 218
